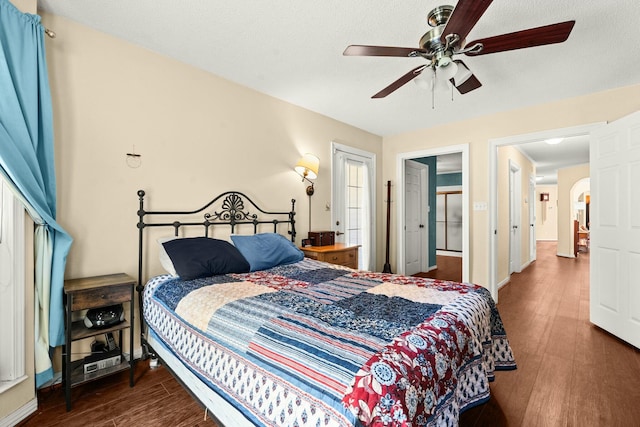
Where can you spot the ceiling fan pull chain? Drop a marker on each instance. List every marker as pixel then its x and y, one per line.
pixel 433 92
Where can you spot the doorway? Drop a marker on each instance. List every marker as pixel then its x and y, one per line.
pixel 353 198
pixel 416 208
pixel 515 214
pixel 494 280
pixel 401 249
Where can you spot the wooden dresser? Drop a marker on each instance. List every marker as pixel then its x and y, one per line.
pixel 339 254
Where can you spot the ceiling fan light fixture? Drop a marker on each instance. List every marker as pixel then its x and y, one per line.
pixel 463 74
pixel 425 79
pixel 447 71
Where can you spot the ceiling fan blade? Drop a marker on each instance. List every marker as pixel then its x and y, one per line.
pixel 400 82
pixel 464 18
pixel 464 80
pixel 403 52
pixel 539 36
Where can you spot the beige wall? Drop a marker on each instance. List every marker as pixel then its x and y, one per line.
pixel 477 132
pixel 198 135
pixel 507 154
pixel 547 213
pixel 567 178
pixel 26 6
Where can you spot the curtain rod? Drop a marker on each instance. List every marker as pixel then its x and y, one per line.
pixel 50 33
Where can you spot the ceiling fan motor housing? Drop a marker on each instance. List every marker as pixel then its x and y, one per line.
pixel 432 41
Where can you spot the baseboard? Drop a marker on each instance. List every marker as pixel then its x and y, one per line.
pixel 449 253
pixel 20 414
pixel 565 255
pixel 504 282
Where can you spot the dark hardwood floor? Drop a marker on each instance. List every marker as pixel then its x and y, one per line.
pixel 570 373
pixel 156 400
pixel 449 268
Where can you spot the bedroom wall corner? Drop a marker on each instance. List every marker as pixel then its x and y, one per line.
pixel 197 135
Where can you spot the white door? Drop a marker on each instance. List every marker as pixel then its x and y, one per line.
pixel 532 218
pixel 515 197
pixel 615 228
pixel 353 214
pixel 416 220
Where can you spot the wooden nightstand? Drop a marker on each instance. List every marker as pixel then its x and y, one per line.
pixel 339 254
pixel 87 293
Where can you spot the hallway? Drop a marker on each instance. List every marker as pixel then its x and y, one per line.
pixel 570 373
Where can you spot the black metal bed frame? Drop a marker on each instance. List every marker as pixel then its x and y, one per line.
pixel 232 213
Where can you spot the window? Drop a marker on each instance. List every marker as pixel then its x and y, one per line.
pixel 354 220
pixel 12 289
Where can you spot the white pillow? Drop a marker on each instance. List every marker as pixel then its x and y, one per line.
pixel 165 261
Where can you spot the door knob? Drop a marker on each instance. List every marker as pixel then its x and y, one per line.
pixel 339 233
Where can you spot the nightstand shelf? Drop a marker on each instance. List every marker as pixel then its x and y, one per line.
pixel 95 292
pixel 78 376
pixel 338 254
pixel 79 331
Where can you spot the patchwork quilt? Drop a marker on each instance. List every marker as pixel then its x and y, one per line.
pixel 314 344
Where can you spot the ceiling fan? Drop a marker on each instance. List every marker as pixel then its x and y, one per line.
pixel 447 38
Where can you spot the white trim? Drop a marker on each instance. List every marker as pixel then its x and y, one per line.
pixel 20 414
pixel 12 289
pixel 400 158
pixel 6 385
pixel 493 184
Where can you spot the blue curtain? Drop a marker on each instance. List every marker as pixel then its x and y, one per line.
pixel 27 161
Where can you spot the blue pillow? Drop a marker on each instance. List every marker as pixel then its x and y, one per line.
pixel 196 257
pixel 267 250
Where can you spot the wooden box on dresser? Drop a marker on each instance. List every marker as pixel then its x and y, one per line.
pixel 87 293
pixel 339 254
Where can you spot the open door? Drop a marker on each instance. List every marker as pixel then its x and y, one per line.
pixel 615 228
pixel 416 217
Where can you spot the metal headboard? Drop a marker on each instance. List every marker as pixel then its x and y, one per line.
pixel 231 209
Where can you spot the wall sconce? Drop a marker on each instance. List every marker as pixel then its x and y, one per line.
pixel 307 167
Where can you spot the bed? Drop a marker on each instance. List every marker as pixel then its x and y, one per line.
pixel 262 336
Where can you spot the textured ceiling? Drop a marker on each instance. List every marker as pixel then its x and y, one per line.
pixel 292 50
